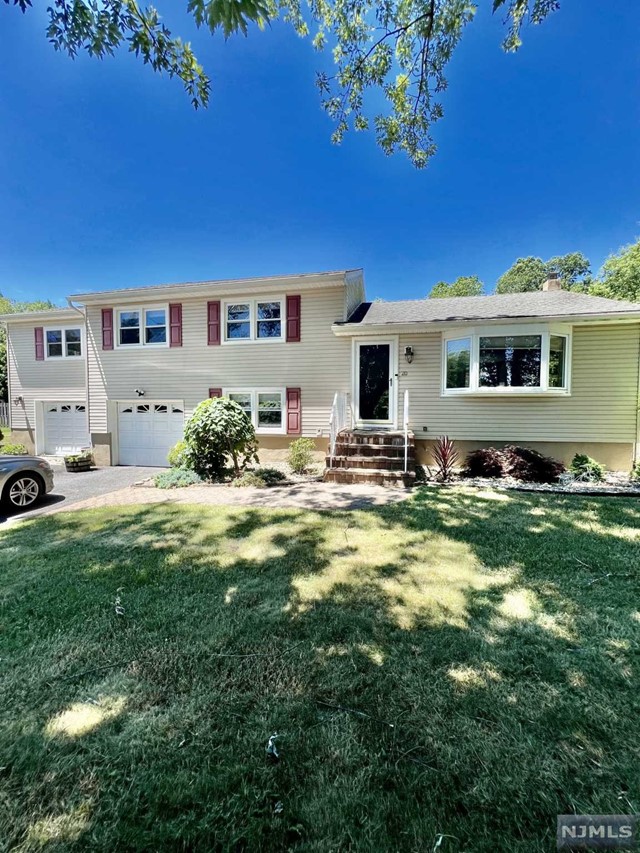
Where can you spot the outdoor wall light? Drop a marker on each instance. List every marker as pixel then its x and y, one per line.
pixel 18 400
pixel 408 354
pixel 139 392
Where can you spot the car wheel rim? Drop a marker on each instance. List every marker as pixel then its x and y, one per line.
pixel 23 492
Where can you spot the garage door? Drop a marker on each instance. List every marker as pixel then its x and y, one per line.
pixel 65 428
pixel 147 431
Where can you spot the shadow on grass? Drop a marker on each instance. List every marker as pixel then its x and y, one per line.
pixel 485 646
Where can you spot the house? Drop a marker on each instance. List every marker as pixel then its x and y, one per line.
pixel 120 370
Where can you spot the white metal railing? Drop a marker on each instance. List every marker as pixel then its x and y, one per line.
pixel 340 419
pixel 4 413
pixel 405 427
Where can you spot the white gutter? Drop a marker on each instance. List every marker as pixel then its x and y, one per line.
pixel 425 326
pixel 83 314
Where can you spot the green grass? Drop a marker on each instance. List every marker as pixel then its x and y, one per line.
pixel 497 634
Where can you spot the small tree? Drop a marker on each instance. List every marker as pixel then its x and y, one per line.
pixel 218 435
pixel 464 285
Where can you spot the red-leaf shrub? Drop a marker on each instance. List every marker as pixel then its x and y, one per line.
pixel 486 462
pixel 531 466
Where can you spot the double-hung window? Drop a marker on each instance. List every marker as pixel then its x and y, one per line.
pixel 254 320
pixel 142 327
pixel 63 342
pixel 265 408
pixel 507 360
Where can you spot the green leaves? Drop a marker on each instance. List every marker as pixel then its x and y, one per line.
pixel 231 15
pixel 464 285
pixel 398 49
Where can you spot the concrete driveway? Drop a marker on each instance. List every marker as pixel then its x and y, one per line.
pixel 71 488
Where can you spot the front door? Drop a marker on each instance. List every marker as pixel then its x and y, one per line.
pixel 375 382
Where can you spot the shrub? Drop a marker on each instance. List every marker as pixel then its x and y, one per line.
pixel 486 462
pixel 635 471
pixel 260 478
pixel 583 467
pixel 445 455
pixel 14 450
pixel 249 478
pixel 531 466
pixel 218 433
pixel 175 457
pixel 300 454
pixel 176 478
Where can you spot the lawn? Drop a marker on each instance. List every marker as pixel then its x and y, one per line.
pixel 447 673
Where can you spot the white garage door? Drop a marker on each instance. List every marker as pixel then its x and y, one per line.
pixel 65 428
pixel 147 431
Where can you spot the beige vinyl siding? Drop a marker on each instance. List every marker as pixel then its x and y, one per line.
pixel 320 364
pixel 53 379
pixel 354 292
pixel 602 406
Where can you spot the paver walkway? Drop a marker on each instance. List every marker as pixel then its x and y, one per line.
pixel 312 495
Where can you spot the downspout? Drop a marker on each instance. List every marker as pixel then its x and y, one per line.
pixel 83 313
pixel 9 400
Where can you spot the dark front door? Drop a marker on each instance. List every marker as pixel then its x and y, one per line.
pixel 375 383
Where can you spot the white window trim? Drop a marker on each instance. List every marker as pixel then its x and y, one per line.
pixel 477 332
pixel 281 430
pixel 253 320
pixel 64 355
pixel 141 311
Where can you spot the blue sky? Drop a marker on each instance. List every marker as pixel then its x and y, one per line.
pixel 109 179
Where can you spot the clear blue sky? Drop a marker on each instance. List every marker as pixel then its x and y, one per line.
pixel 109 179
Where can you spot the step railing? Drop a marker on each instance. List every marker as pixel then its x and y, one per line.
pixel 4 413
pixel 405 427
pixel 339 419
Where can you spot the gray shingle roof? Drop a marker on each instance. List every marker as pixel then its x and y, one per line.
pixel 554 303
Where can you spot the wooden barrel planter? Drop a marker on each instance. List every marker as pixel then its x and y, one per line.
pixel 78 463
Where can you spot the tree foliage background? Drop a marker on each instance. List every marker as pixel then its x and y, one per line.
pixel 398 48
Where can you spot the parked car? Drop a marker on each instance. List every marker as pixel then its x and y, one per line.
pixel 24 480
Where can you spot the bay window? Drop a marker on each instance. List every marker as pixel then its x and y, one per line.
pixel 500 360
pixel 139 327
pixel 265 408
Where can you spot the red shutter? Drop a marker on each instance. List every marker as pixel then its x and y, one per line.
pixel 175 325
pixel 294 411
pixel 213 323
pixel 293 318
pixel 39 340
pixel 107 328
pixel 215 392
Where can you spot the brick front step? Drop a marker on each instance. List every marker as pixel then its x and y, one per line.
pixel 344 448
pixel 374 476
pixel 386 463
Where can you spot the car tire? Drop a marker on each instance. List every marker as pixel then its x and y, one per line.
pixel 23 491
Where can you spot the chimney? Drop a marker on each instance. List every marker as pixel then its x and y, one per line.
pixel 552 282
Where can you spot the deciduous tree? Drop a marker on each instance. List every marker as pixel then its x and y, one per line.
pixel 465 285
pixel 401 48
pixel 620 275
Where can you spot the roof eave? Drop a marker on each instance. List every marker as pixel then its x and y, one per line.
pixel 43 316
pixel 351 329
pixel 303 282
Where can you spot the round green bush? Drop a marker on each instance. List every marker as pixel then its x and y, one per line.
pixel 300 455
pixel 219 435
pixel 583 467
pixel 175 457
pixel 176 478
